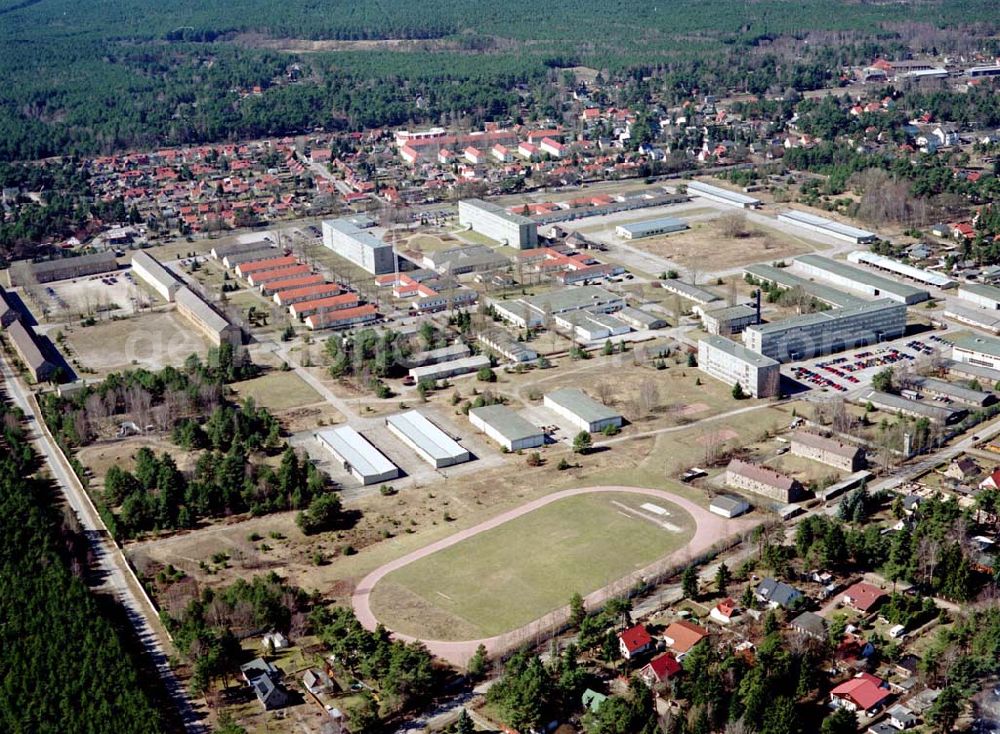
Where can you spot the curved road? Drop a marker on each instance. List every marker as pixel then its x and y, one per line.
pixel 709 530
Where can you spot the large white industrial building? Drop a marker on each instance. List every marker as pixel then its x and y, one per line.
pixel 725 360
pixel 975 349
pixel 432 444
pixel 498 224
pixel 827 227
pixel 723 196
pixel 358 246
pixel 365 462
pixel 812 335
pixel 581 410
pixel 157 277
pixel 846 276
pixel 986 296
pixel 506 427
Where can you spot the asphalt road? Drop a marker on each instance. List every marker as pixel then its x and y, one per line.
pixel 111 565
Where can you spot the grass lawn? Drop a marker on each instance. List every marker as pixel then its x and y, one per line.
pixel 513 574
pixel 278 391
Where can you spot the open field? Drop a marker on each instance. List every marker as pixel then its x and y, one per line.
pixel 278 391
pixel 707 247
pixel 496 581
pixel 153 340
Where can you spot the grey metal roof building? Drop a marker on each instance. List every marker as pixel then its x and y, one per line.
pixel 157 277
pixel 965 370
pixel 847 276
pixel 721 195
pixel 451 368
pixel 357 455
pixel 497 223
pixel 639 319
pixel 432 444
pixel 583 411
pixel 25 272
pixel 982 318
pixel 30 351
pixel 650 228
pixel 959 393
pixel 784 279
pixel 262 251
pixel 210 322
pixel 8 312
pixel 220 252
pixel 914 408
pixel 458 350
pixel 827 226
pixel 824 332
pixel 694 293
pixel 359 246
pixel 503 344
pixel 987 296
pixel 728 505
pixel 506 427
pixel 531 310
pixel 467 259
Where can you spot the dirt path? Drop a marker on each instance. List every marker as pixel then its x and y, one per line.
pixel 709 530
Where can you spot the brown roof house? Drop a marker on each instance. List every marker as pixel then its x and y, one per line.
pixel 763 481
pixel 829 451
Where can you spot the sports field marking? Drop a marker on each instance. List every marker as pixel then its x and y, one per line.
pixel 710 529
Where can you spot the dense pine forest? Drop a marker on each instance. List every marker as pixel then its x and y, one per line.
pixel 138 74
pixel 63 666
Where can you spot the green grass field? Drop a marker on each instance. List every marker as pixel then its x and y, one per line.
pixel 511 575
pixel 278 391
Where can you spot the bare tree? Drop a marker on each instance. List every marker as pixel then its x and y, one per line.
pixel 648 399
pixel 734 225
pixel 605 392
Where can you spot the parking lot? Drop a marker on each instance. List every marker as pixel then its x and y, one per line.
pixel 852 372
pixel 95 294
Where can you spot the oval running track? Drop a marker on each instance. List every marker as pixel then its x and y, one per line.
pixel 709 530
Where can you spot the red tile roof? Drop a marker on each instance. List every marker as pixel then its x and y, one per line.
pixel 863 596
pixel 663 667
pixel 635 638
pixel 865 691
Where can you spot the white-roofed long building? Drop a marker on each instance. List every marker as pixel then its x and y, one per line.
pixel 432 444
pixel 827 227
pixel 848 276
pixel 359 246
pixel 359 457
pixel 721 195
pixel 506 427
pixel 891 265
pixel 498 224
pixel 581 410
pixel 157 277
